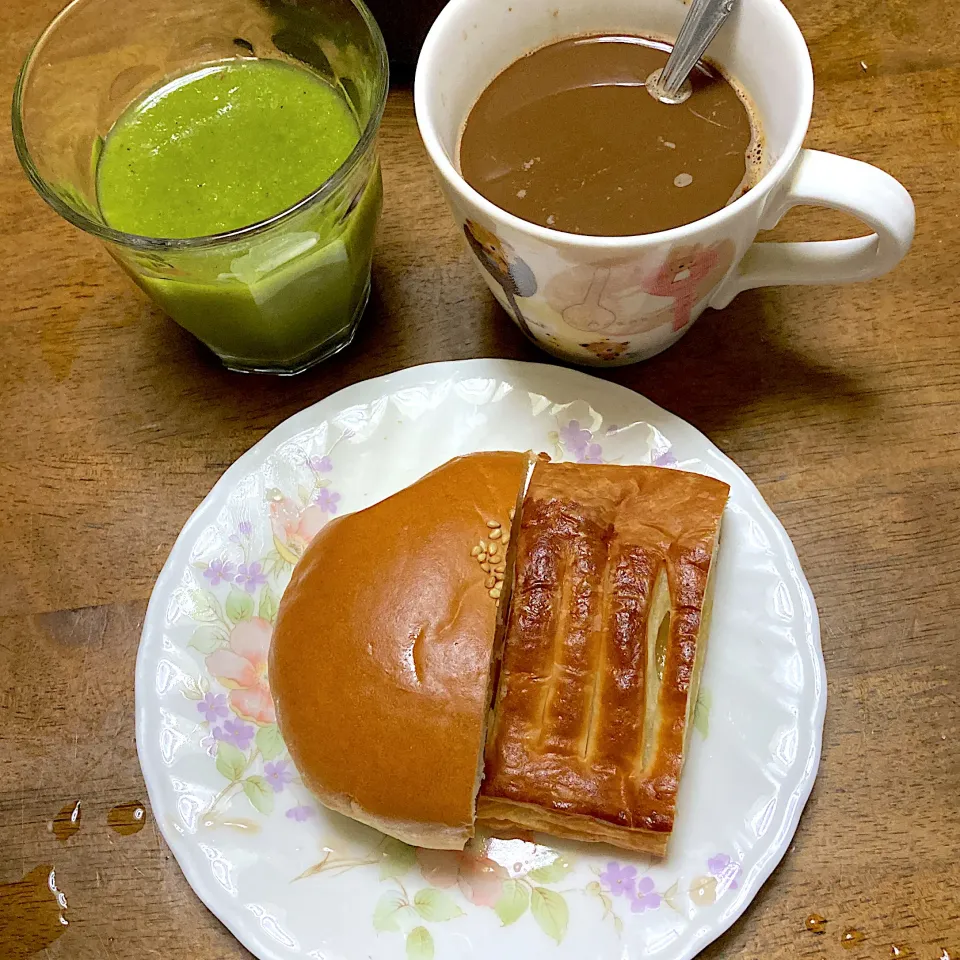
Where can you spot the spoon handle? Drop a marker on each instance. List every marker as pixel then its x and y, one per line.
pixel 700 26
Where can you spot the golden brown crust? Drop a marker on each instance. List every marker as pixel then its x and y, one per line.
pixel 380 662
pixel 585 727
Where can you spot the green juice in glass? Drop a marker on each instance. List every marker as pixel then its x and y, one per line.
pixel 221 148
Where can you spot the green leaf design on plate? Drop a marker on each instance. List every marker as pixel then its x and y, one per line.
pixel 701 712
pixel 552 872
pixel 273 563
pixel 259 793
pixel 239 605
pixel 513 902
pixel 550 911
pixel 206 607
pixel 435 905
pixel 269 742
pixel 230 761
pixel 670 895
pixel 207 639
pixel 192 689
pixel 397 858
pixel 419 944
pixel 385 912
pixel 268 604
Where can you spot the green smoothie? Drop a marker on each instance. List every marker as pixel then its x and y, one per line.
pixel 226 146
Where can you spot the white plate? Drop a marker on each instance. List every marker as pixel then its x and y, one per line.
pixel 292 880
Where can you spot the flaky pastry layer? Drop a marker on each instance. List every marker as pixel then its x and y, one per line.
pixel 602 652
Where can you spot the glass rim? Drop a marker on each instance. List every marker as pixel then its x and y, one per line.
pixel 139 242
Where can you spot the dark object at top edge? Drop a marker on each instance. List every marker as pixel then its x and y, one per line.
pixel 405 24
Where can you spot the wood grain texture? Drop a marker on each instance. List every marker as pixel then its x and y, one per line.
pixel 841 403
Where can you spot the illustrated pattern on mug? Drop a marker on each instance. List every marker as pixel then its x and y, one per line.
pixel 687 276
pixel 606 298
pixel 501 262
pixel 610 299
pixel 618 299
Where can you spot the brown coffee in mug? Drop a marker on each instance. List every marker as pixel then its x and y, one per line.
pixel 568 137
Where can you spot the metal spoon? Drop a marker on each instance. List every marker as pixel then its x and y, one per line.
pixel 703 20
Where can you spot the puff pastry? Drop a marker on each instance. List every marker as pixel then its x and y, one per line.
pixel 603 646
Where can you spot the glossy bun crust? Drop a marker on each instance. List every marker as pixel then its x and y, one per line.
pixel 380 664
pixel 603 648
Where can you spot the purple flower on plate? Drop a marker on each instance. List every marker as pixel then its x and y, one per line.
pixel 278 774
pixel 645 897
pixel 725 871
pixel 592 453
pixel 327 500
pixel 214 706
pixel 238 733
pixel 244 529
pixel 665 459
pixel 250 576
pixel 300 814
pixel 219 570
pixel 580 443
pixel 575 438
pixel 320 464
pixel 619 879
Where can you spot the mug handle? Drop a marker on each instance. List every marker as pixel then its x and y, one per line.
pixel 826 180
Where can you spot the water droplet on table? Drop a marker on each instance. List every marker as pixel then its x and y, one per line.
pixel 127 818
pixel 815 923
pixel 67 822
pixel 31 914
pixel 851 938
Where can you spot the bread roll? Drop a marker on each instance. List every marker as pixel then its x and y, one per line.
pixel 380 665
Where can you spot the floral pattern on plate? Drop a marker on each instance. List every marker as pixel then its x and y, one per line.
pixel 292 879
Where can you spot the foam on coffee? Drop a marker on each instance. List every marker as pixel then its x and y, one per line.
pixel 568 137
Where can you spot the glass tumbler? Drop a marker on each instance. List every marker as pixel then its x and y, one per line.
pixel 273 297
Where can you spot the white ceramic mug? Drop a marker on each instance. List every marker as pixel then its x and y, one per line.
pixel 616 300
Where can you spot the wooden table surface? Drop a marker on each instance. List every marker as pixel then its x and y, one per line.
pixel 842 404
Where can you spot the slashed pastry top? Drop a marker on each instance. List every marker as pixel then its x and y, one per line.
pixel 601 656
